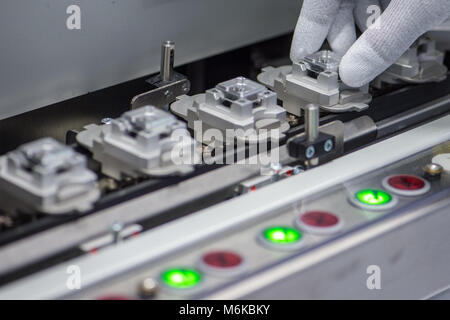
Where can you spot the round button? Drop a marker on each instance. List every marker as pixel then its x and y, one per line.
pixel 319 222
pixel 181 278
pixel 373 199
pixel 406 185
pixel 281 238
pixel 433 170
pixel 222 263
pixel 443 160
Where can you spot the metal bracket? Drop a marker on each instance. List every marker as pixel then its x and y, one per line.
pixel 168 84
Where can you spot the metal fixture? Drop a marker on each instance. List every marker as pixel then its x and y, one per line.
pixel 47 176
pixel 315 79
pixel 148 288
pixel 239 108
pixel 143 142
pixel 420 64
pixel 312 122
pixel 167 85
pixel 433 170
pixel 116 229
pixel 314 144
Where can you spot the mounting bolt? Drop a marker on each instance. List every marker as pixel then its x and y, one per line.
pixel 168 94
pixel 107 120
pixel 433 170
pixel 310 152
pixel 328 146
pixel 312 113
pixel 116 229
pixel 297 170
pixel 148 288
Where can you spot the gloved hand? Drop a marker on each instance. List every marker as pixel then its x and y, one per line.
pixel 380 45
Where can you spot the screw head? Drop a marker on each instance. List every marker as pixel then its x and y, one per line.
pixel 297 170
pixel 433 169
pixel 106 120
pixel 272 169
pixel 148 288
pixel 168 94
pixel 328 146
pixel 116 227
pixel 310 152
pixel 276 167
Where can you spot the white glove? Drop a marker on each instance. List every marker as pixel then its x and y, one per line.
pixel 380 45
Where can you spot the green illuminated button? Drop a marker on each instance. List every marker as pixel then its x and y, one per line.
pixel 282 238
pixel 373 199
pixel 181 278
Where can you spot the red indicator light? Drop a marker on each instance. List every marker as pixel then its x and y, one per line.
pixel 319 219
pixel 319 222
pixel 406 185
pixel 222 259
pixel 406 182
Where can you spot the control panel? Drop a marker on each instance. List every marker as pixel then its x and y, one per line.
pixel 302 226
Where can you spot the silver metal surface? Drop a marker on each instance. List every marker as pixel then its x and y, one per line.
pixel 433 169
pixel 323 61
pixel 314 79
pixel 420 64
pixel 269 174
pixel 43 245
pixel 238 109
pixel 312 114
pixel 209 223
pixel 143 142
pixel 167 60
pixel 43 62
pixel 47 176
pixel 168 84
pixel 165 92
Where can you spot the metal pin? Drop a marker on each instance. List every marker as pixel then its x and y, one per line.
pixel 167 60
pixel 312 122
pixel 116 229
pixel 148 288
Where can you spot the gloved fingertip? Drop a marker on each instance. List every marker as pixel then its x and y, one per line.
pixel 350 74
pixel 360 65
pixel 297 54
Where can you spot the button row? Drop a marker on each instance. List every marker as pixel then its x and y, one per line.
pixel 287 238
pixel 231 264
pixel 402 185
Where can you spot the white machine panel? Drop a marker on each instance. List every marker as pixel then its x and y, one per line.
pixel 42 61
